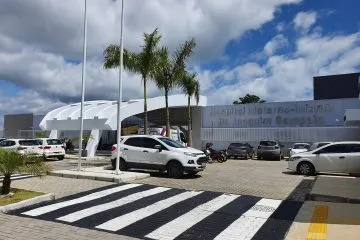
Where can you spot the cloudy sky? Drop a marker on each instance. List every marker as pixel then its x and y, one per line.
pixel 271 48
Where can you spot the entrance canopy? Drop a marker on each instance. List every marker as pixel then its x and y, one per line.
pixel 101 115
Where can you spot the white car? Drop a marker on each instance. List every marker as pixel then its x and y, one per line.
pixel 52 148
pixel 23 146
pixel 158 153
pixel 299 147
pixel 337 157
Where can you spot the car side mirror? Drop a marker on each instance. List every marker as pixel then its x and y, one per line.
pixel 158 147
pixel 290 149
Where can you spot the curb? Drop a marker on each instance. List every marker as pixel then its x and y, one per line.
pixel 335 199
pixel 28 202
pixel 99 178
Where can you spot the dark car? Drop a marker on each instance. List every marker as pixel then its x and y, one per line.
pixel 270 149
pixel 242 150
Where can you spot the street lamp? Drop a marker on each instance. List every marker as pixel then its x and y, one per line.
pixel 117 171
pixel 82 90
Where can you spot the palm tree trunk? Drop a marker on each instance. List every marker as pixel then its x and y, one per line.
pixel 189 124
pixel 6 184
pixel 167 114
pixel 145 110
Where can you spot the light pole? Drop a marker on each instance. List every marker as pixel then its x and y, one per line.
pixel 82 90
pixel 117 171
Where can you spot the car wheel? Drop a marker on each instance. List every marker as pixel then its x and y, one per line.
pixel 306 168
pixel 175 170
pixel 123 165
pixel 60 157
pixel 259 157
pixel 247 157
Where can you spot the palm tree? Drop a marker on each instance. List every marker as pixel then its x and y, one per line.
pixel 169 71
pixel 191 87
pixel 13 162
pixel 142 63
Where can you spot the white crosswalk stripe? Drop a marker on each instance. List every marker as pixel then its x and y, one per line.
pixel 106 206
pixel 251 221
pixel 16 176
pixel 153 212
pixel 127 219
pixel 92 196
pixel 179 225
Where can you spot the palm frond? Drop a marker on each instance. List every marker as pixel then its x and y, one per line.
pixel 190 85
pixel 111 56
pixel 148 55
pixel 181 55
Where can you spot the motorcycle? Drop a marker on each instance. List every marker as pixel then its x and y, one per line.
pixel 215 155
pixel 208 155
pixel 226 155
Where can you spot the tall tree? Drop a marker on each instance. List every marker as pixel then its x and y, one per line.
pixel 191 87
pixel 249 99
pixel 143 63
pixel 169 71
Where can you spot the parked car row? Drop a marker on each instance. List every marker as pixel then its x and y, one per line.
pixel 45 147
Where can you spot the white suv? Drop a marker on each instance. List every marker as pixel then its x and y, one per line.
pixel 52 148
pixel 158 153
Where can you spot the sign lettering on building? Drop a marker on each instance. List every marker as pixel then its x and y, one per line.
pixel 288 114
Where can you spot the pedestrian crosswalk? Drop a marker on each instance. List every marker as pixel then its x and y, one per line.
pixel 153 212
pixel 16 176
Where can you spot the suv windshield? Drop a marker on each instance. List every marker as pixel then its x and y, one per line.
pixel 301 146
pixel 171 143
pixel 267 143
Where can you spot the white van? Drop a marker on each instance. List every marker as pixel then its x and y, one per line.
pixel 175 133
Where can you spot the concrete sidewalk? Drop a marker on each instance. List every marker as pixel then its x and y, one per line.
pixel 101 174
pixel 326 220
pixel 334 188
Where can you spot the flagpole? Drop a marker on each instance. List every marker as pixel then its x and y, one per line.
pixel 82 90
pixel 117 170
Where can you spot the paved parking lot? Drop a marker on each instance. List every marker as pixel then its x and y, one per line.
pixel 268 179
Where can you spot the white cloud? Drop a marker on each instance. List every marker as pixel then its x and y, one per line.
pixel 278 42
pixel 56 26
pixel 27 101
pixel 35 45
pixel 289 78
pixel 305 20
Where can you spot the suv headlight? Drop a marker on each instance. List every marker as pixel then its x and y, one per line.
pixel 294 158
pixel 190 154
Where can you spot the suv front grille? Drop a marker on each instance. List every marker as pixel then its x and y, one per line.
pixel 201 160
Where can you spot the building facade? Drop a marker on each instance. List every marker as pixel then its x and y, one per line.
pixel 287 122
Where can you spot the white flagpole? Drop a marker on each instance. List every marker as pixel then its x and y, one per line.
pixel 117 170
pixel 82 90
